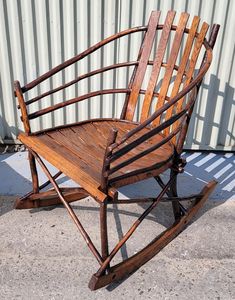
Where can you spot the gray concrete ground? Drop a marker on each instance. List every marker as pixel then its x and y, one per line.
pixel 42 256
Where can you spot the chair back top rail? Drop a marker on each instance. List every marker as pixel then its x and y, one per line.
pixel 90 50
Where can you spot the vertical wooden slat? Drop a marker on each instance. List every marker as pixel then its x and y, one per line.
pixel 130 84
pixel 157 65
pixel 193 60
pixel 183 64
pixel 148 43
pixel 171 62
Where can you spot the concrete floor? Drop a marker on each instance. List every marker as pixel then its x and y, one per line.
pixel 42 256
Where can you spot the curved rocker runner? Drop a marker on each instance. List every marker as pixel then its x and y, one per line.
pixel 104 154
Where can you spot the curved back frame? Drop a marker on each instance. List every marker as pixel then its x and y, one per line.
pixel 173 109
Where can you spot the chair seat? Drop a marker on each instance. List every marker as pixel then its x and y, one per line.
pixel 78 151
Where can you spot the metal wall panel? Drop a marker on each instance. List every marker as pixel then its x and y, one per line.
pixel 36 35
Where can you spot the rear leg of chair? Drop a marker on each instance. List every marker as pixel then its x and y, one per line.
pixel 34 173
pixel 173 193
pixel 104 231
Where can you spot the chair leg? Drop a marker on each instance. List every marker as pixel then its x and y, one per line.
pixel 34 173
pixel 36 198
pixel 131 264
pixel 104 231
pixel 173 193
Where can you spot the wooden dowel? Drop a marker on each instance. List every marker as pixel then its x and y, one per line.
pixel 164 199
pixel 106 164
pixel 42 186
pixel 146 136
pixel 145 152
pixel 80 56
pixel 142 170
pixel 23 108
pixel 95 72
pixel 154 94
pixel 133 228
pixel 166 106
pixel 75 100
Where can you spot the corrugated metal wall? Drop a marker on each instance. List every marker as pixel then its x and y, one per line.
pixel 36 35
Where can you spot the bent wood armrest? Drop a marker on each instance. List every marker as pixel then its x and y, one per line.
pixel 191 87
pixel 80 56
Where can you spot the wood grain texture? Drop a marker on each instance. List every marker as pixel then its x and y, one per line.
pixel 140 72
pixel 79 151
pixel 24 117
pixel 183 64
pixel 171 62
pixel 137 260
pixel 192 63
pixel 157 65
pixel 104 154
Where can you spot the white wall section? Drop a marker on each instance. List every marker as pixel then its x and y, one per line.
pixel 36 35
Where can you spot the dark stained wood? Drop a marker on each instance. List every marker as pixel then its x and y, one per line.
pixel 131 264
pixel 50 198
pixel 78 57
pixel 46 110
pixel 101 155
pixel 106 162
pixel 183 64
pixel 79 78
pixel 81 145
pixel 140 72
pixel 157 65
pixel 171 62
pixel 20 97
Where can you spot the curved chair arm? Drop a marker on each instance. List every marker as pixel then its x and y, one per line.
pixel 197 80
pixel 80 56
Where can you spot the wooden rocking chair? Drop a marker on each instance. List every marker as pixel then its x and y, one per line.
pixel 104 154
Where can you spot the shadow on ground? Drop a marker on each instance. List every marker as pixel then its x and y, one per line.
pixel 15 179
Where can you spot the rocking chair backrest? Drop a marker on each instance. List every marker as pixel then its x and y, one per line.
pixel 172 109
pixel 185 70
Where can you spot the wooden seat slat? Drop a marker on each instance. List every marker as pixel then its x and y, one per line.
pixel 75 154
pixel 78 149
pixel 80 138
pixel 65 161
